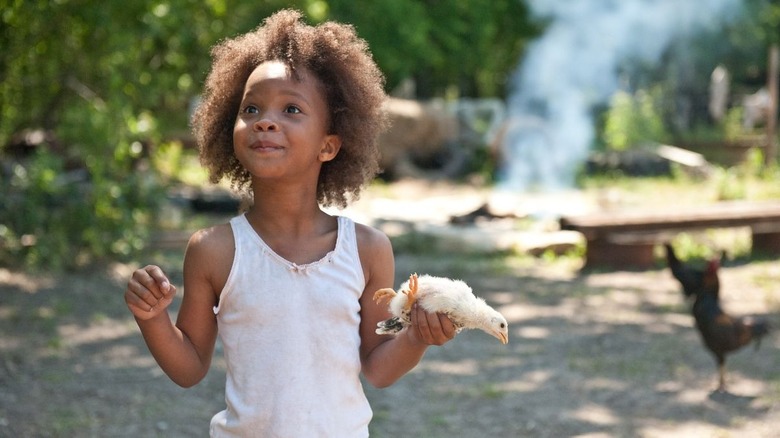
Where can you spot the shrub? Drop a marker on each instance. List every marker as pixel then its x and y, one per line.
pixel 55 218
pixel 632 120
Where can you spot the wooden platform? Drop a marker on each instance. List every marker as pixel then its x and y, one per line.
pixel 627 238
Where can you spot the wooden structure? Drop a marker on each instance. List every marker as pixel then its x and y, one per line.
pixel 770 157
pixel 627 239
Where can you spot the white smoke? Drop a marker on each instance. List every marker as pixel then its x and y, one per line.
pixel 574 66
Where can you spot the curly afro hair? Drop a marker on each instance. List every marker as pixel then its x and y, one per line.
pixel 353 86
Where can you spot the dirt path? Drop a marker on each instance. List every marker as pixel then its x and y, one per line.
pixel 610 354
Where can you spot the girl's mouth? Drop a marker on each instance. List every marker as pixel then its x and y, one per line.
pixel 265 146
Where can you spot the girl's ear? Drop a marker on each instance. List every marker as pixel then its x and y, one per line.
pixel 330 147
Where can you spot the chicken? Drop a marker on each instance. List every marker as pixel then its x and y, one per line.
pixel 689 277
pixel 722 334
pixel 453 298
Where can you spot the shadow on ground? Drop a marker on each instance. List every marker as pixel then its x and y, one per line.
pixel 590 354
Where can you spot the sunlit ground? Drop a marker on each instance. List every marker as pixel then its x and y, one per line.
pixel 598 353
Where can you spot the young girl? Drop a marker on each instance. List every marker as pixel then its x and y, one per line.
pixel 290 113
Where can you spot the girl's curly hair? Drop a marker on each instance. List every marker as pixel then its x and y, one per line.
pixel 354 90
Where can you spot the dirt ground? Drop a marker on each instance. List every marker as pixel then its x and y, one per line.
pixel 591 354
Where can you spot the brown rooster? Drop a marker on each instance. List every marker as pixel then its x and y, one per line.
pixel 722 334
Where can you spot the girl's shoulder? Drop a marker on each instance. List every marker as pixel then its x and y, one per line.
pixel 210 251
pixel 376 255
pixel 215 238
pixel 370 238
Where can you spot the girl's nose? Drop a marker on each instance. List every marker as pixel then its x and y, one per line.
pixel 265 124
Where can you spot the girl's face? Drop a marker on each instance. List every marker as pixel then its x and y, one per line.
pixel 282 124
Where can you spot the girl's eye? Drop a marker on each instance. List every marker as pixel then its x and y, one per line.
pixel 250 109
pixel 292 109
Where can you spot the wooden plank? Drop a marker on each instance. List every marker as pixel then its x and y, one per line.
pixel 603 253
pixel 626 239
pixel 720 215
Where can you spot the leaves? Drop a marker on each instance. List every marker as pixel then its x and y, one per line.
pixel 470 46
pixel 110 82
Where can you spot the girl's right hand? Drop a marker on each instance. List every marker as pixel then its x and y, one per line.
pixel 149 292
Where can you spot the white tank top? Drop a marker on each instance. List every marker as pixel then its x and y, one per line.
pixel 291 341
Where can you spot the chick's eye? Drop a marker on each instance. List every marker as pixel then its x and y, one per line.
pixel 502 325
pixel 292 109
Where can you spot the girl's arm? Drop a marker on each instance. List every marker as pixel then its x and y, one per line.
pixel 385 359
pixel 183 350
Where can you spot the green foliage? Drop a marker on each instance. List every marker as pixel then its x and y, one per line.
pixel 730 186
pixel 471 46
pixel 753 164
pixel 108 81
pixel 753 177
pixel 56 219
pixel 176 164
pixel 699 246
pixel 768 19
pixel 632 120
pixel 749 179
pixel 113 82
pixel 732 123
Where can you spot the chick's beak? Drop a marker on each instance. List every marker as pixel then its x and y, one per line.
pixel 503 337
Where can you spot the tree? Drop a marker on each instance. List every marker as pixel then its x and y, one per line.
pixel 471 46
pixel 103 83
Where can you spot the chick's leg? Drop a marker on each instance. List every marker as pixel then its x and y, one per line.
pixel 383 294
pixel 411 293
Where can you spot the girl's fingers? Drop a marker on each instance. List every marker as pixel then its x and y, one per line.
pixel 421 323
pixel 160 279
pixel 447 327
pixel 153 279
pixel 147 287
pixel 432 328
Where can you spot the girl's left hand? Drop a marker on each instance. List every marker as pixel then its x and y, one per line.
pixel 431 328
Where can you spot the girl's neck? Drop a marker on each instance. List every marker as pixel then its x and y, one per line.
pixel 286 212
pixel 294 227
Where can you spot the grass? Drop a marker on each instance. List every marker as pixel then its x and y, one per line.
pixel 748 180
pixel 491 391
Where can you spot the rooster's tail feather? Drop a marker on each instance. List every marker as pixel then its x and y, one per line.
pixel 759 330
